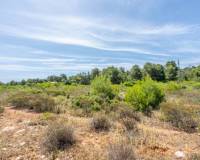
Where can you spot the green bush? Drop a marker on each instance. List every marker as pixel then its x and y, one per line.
pixel 173 86
pixel 179 117
pixel 86 103
pixel 55 92
pixel 145 95
pixel 36 102
pixel 101 86
pixel 129 83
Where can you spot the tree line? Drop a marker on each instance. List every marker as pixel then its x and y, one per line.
pixel 168 72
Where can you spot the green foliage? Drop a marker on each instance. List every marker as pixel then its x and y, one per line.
pixel 129 83
pixel 55 92
pixel 158 72
pixel 48 116
pixel 145 95
pixel 101 86
pixel 173 86
pixel 87 104
pixel 114 74
pixel 95 73
pixel 191 73
pixel 36 102
pixel 155 71
pixel 171 70
pixel 136 73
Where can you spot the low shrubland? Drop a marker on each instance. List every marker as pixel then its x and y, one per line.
pixel 36 102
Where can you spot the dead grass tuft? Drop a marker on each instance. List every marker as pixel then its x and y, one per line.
pixel 100 123
pixel 58 136
pixel 121 151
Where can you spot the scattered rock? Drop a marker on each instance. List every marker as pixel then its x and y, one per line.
pixel 179 154
pixel 19 158
pixel 22 143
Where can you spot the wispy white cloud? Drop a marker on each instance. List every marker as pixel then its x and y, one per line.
pixel 120 33
pixel 86 32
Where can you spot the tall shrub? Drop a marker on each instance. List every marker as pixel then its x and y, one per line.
pixel 101 86
pixel 145 95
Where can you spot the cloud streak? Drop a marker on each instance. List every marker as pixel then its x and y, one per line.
pixel 76 35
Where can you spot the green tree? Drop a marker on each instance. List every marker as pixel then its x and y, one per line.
pixel 95 73
pixel 155 71
pixel 113 74
pixel 136 73
pixel 171 70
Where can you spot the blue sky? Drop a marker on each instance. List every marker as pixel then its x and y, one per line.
pixel 43 37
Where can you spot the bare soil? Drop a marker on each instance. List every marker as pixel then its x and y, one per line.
pixel 21 132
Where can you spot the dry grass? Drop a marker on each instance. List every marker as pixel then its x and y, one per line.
pixel 121 151
pixel 1 109
pixel 100 123
pixel 194 157
pixel 179 117
pixel 58 136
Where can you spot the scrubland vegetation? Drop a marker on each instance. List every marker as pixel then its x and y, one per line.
pixel 113 114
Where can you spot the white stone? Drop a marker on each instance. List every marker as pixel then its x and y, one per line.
pixel 180 154
pixel 19 158
pixel 22 143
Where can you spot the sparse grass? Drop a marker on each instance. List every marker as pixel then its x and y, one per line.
pixel 130 125
pixel 58 136
pixel 126 112
pixel 1 109
pixel 100 123
pixel 179 117
pixel 121 151
pixel 194 157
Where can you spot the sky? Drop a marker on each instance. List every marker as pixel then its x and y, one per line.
pixel 47 37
